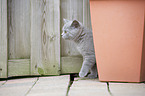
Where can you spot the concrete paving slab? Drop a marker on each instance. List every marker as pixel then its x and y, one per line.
pixel 50 86
pixel 17 87
pixel 2 82
pixel 88 87
pixel 127 89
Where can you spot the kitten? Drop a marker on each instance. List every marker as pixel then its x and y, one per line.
pixel 75 31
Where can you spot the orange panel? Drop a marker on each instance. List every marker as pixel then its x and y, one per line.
pixel 118 28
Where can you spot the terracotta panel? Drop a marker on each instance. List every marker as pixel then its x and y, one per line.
pixel 118 28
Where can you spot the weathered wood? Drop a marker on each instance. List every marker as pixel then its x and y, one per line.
pixel 79 10
pixel 18 67
pixel 34 29
pixel 3 39
pixel 86 14
pixel 45 37
pixel 17 87
pixel 73 9
pixel 71 64
pixel 19 29
pixel 70 9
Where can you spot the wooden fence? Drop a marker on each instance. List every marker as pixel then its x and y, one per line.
pixel 30 41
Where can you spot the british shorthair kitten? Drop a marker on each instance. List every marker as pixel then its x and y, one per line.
pixel 75 31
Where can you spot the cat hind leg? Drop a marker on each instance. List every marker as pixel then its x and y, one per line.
pixel 93 73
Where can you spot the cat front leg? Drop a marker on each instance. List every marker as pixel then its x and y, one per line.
pixel 88 63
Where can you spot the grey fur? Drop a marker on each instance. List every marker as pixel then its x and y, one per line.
pixel 75 31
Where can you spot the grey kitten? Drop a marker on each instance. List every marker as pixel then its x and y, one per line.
pixel 75 31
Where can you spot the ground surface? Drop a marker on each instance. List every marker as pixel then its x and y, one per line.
pixel 58 86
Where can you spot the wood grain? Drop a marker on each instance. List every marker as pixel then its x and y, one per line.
pixel 18 67
pixel 71 59
pixel 70 9
pixel 71 64
pixel 86 14
pixel 33 33
pixel 3 39
pixel 19 29
pixel 45 37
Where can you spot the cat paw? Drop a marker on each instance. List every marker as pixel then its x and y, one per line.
pixel 92 76
pixel 81 74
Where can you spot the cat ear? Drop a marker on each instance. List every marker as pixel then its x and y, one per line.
pixel 65 20
pixel 75 24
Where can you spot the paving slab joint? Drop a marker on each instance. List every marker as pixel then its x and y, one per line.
pixel 3 83
pixel 71 80
pixel 32 86
pixel 108 88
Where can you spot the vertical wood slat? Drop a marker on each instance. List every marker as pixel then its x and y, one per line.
pixel 19 29
pixel 42 54
pixel 45 37
pixel 70 9
pixel 79 10
pixel 86 14
pixel 3 39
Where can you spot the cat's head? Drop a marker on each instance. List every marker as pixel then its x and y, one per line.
pixel 70 29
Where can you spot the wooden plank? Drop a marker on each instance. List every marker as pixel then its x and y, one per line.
pixel 19 29
pixel 3 39
pixel 17 87
pixel 71 64
pixel 19 67
pixel 86 14
pixel 50 86
pixel 70 9
pixel 45 37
